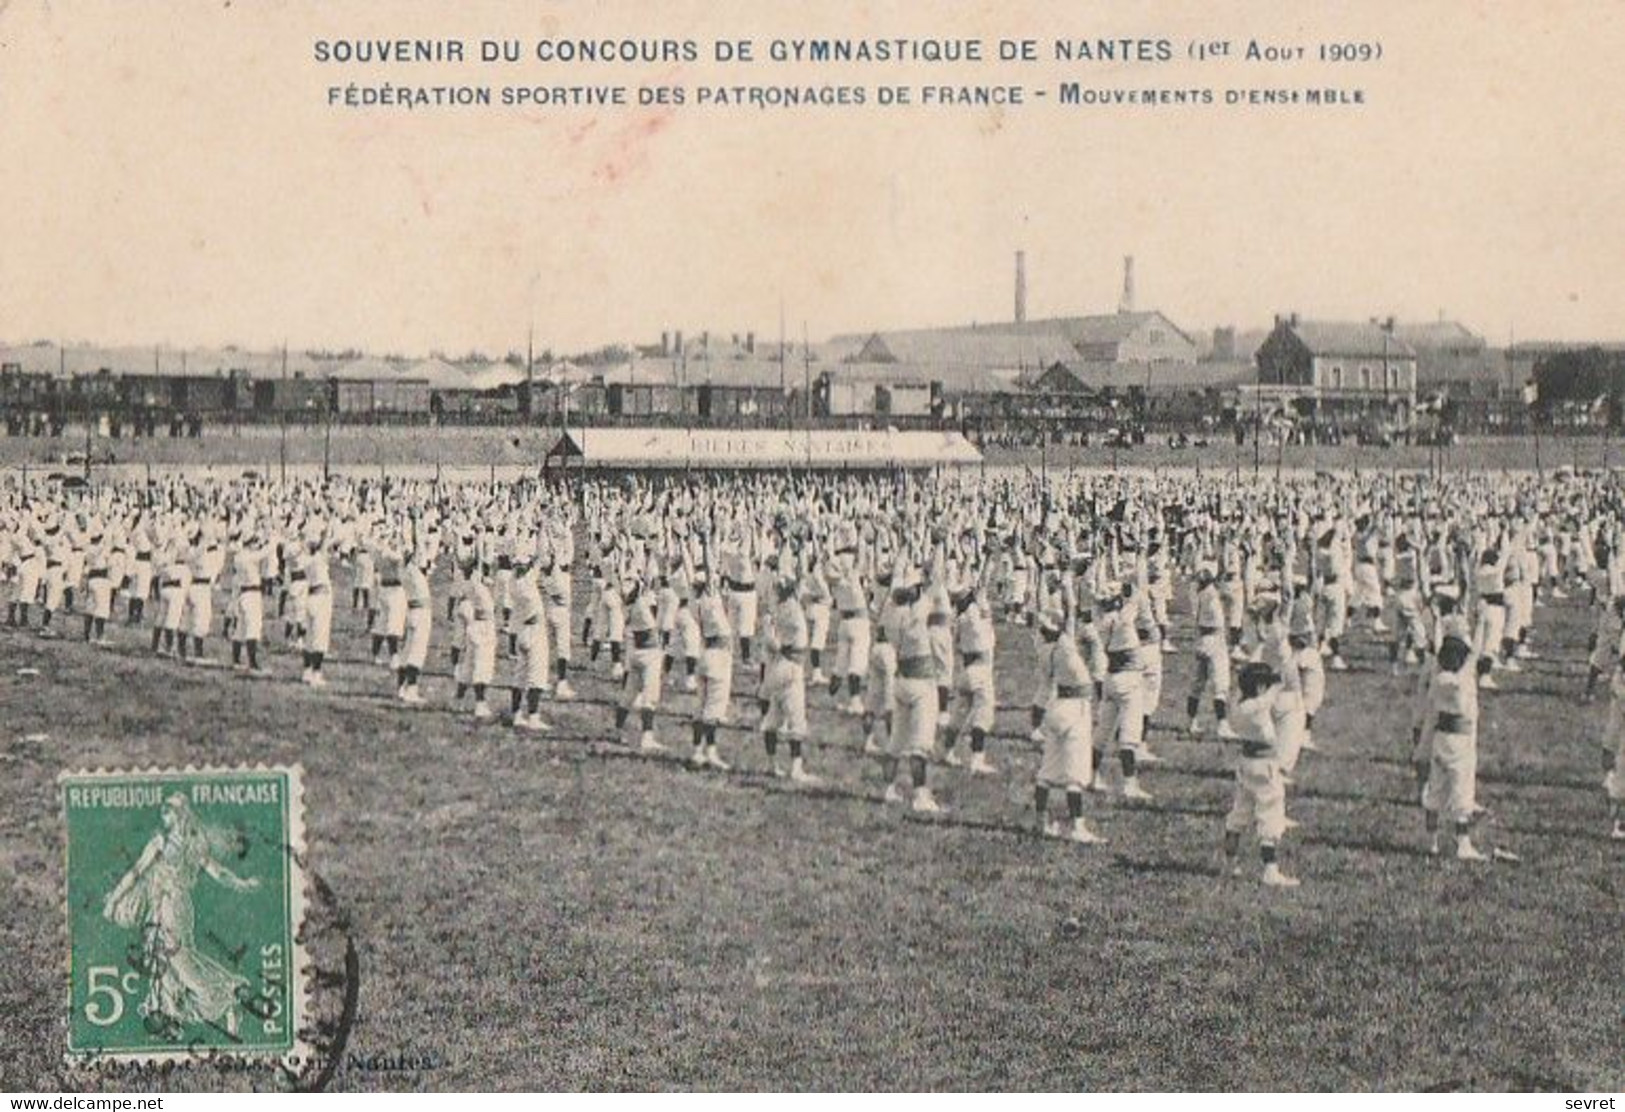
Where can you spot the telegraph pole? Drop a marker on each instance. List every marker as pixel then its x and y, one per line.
pixel 806 387
pixel 1258 425
pixel 282 420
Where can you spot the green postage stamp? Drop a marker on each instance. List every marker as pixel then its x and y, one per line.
pixel 185 897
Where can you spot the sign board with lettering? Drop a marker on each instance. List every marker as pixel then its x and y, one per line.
pixel 752 448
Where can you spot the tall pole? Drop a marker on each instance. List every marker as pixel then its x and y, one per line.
pixel 806 387
pixel 806 364
pixel 1145 402
pixel 784 385
pixel 1534 421
pixel 1258 426
pixel 87 440
pixel 282 420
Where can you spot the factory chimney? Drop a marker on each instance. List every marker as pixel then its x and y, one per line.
pixel 1021 287
pixel 1126 305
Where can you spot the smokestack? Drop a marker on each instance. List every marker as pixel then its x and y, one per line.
pixel 677 342
pixel 665 343
pixel 1021 287
pixel 1126 305
pixel 750 342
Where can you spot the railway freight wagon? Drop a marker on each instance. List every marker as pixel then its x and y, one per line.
pixel 291 395
pixel 743 404
pixel 401 396
pixel 586 399
pixel 352 397
pixel 199 393
pixel 99 390
pixel 649 400
pixel 145 392
pixel 473 406
pixel 21 388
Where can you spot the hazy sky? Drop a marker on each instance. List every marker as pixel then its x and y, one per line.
pixel 172 172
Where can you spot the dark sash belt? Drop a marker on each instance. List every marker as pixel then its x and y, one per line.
pixel 916 668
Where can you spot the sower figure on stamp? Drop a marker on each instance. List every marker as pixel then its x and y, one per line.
pixel 186 985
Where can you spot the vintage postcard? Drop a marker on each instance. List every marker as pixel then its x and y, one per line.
pixel 902 546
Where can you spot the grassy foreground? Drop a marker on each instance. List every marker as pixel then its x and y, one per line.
pixel 557 913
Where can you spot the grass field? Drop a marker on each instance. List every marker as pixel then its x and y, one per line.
pixel 389 449
pixel 557 912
